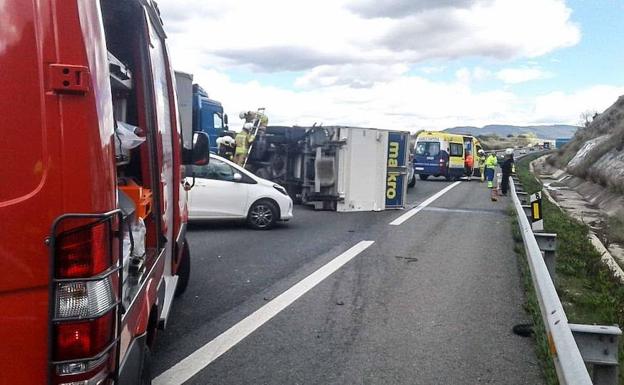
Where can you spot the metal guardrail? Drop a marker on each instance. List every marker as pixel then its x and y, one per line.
pixel 594 345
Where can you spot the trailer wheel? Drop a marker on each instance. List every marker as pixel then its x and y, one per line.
pixel 146 367
pixel 184 270
pixel 423 176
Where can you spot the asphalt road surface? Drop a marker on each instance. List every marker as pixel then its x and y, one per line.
pixel 429 301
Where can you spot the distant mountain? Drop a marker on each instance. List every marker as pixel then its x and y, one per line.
pixel 543 132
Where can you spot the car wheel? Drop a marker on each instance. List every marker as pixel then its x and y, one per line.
pixel 262 215
pixel 423 176
pixel 184 270
pixel 412 181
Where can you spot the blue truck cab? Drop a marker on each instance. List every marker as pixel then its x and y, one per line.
pixel 208 116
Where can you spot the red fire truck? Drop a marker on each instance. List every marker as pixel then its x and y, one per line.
pixel 92 206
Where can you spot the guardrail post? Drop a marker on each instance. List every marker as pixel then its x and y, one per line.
pixel 527 211
pixel 537 214
pixel 599 348
pixel 523 196
pixel 547 243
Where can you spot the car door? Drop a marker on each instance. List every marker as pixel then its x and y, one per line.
pixel 216 194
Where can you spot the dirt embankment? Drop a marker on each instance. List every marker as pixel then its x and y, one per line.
pixel 596 152
pixel 592 167
pixel 590 204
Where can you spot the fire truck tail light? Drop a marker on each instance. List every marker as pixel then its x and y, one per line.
pixel 81 366
pixel 84 252
pixel 86 294
pixel 99 379
pixel 84 299
pixel 81 339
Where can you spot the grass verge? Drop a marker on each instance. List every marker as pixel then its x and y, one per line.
pixel 586 288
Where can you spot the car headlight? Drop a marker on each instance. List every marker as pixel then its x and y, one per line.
pixel 280 189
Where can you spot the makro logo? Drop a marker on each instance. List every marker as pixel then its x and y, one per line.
pixel 393 161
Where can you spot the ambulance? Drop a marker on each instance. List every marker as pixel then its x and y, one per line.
pixel 438 153
pixel 441 154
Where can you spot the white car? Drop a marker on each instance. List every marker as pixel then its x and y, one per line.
pixel 224 190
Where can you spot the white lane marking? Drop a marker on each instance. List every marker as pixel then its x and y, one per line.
pixel 421 206
pixel 202 357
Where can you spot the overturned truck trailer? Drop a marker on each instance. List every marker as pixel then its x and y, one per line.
pixel 335 167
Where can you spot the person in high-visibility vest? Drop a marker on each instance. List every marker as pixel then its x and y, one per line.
pixel 469 165
pixel 243 141
pixel 490 169
pixel 481 158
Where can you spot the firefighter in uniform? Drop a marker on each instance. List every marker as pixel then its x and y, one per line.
pixel 481 157
pixel 226 146
pixel 243 141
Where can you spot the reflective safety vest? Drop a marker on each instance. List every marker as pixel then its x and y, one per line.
pixel 243 140
pixel 469 161
pixel 491 161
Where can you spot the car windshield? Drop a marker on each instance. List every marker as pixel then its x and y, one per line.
pixel 428 148
pixel 216 169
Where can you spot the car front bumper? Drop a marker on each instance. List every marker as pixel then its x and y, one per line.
pixel 286 210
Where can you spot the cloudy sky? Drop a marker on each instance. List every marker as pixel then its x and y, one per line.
pixel 402 64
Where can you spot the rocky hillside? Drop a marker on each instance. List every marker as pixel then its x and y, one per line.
pixel 596 152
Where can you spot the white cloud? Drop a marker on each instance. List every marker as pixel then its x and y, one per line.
pixel 400 8
pixel 522 75
pixel 406 102
pixel 466 75
pixel 432 69
pixel 566 107
pixel 353 65
pixel 353 75
pixel 276 35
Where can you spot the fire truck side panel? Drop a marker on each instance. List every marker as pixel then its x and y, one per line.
pixel 59 159
pixel 164 136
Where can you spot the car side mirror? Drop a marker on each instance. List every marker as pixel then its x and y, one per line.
pixel 199 155
pixel 237 177
pixel 225 119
